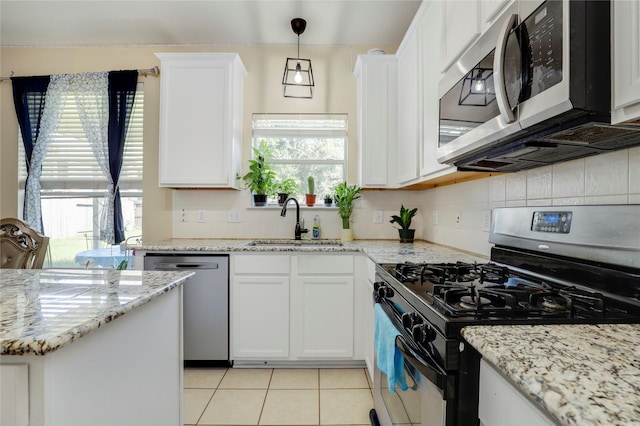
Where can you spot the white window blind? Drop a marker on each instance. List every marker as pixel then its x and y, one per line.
pixel 70 163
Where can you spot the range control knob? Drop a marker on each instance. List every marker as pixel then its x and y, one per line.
pixel 410 319
pixel 423 333
pixel 384 291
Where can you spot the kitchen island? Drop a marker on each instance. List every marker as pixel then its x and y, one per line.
pixel 91 347
pixel 577 374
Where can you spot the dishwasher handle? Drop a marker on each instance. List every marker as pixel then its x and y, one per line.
pixel 169 266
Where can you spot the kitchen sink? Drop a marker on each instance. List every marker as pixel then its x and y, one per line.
pixel 283 242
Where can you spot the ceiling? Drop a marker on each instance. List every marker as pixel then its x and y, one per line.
pixel 203 22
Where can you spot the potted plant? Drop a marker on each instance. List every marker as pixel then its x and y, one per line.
pixel 328 200
pixel 404 220
pixel 344 196
pixel 310 196
pixel 260 178
pixel 284 188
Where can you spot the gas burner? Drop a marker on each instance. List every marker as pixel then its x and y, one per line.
pixel 473 302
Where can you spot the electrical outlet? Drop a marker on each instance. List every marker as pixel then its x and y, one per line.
pixel 233 216
pixel 201 216
pixel 486 226
pixel 458 220
pixel 377 216
pixel 434 217
pixel 183 216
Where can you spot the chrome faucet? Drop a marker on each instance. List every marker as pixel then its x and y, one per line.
pixel 298 231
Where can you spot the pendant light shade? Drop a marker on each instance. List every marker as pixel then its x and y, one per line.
pixel 297 81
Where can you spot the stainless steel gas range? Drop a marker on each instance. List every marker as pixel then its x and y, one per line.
pixel 549 265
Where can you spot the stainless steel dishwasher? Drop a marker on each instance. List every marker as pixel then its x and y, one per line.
pixel 205 304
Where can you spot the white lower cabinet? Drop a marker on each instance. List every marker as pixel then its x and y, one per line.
pixel 259 314
pixel 502 404
pixel 296 307
pixel 322 306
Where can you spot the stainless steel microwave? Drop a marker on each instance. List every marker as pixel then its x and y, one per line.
pixel 534 89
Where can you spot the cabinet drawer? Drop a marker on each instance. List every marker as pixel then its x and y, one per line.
pixel 256 264
pixel 325 264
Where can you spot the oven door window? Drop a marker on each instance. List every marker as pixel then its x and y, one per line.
pixel 470 103
pixel 403 407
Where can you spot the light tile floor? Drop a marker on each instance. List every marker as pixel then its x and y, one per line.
pixel 281 396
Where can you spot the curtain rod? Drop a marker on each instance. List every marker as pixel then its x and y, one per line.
pixel 145 72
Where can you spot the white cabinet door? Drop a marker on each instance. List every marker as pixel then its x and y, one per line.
pixel 626 60
pixel 260 317
pixel 408 109
pixel 200 119
pixel 14 394
pixel 259 311
pixel 490 10
pixel 461 26
pixel 430 36
pixel 322 304
pixel 377 118
pixel 323 325
pixel 501 404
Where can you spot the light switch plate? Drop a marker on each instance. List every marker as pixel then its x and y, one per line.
pixel 233 216
pixel 458 220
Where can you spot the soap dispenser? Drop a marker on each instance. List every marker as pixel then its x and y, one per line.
pixel 316 227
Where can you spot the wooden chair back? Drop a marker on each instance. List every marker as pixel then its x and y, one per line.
pixel 21 247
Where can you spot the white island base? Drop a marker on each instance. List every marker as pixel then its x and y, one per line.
pixel 127 372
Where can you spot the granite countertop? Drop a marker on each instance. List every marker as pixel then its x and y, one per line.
pixel 42 310
pixel 580 374
pixel 380 251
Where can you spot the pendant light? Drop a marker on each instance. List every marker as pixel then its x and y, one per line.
pixel 297 81
pixel 477 88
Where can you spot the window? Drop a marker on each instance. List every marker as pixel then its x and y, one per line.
pixel 73 191
pixel 304 145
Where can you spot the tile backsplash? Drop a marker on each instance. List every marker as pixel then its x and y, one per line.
pixel 612 178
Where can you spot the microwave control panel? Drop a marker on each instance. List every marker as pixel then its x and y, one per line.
pixel 554 222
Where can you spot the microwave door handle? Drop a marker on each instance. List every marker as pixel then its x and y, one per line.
pixel 498 71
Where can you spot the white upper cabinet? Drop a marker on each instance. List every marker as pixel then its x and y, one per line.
pixel 377 118
pixel 409 125
pixel 200 119
pixel 461 26
pixel 626 61
pixel 430 31
pixel 490 10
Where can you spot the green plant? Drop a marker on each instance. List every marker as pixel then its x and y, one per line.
pixel 287 186
pixel 345 195
pixel 260 179
pixel 312 185
pixel 404 220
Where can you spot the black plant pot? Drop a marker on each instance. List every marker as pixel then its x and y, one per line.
pixel 259 200
pixel 282 197
pixel 406 235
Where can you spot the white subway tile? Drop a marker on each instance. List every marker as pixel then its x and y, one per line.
pixel 634 170
pixel 539 182
pixel 497 191
pixel 516 203
pixel 568 179
pixel 569 201
pixel 516 186
pixel 607 199
pixel 607 174
pixel 634 198
pixel 540 202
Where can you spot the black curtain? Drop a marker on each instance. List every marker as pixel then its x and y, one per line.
pixel 122 91
pixel 29 95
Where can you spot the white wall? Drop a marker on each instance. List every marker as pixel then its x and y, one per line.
pixel 605 179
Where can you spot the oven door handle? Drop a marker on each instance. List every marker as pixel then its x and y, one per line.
pixel 427 367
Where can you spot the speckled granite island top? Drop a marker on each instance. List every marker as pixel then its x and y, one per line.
pixel 42 310
pixel 380 251
pixel 581 374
